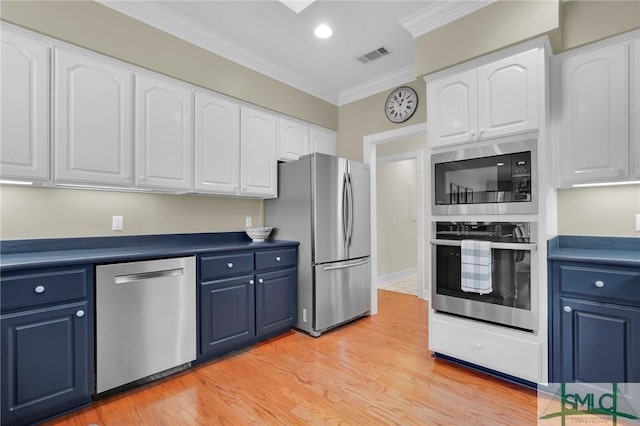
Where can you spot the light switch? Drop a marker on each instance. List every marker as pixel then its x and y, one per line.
pixel 638 223
pixel 248 221
pixel 117 223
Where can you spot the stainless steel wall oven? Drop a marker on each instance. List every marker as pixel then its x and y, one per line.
pixel 512 299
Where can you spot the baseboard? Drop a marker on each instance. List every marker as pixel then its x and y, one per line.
pixel 397 275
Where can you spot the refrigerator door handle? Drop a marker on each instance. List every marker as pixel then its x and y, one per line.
pixel 345 210
pixel 350 197
pixel 345 266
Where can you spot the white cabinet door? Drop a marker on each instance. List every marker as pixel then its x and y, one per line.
pixel 258 163
pixel 323 141
pixel 24 145
pixel 92 121
pixel 452 109
pixel 635 111
pixel 508 95
pixel 217 145
pixel 594 134
pixel 163 134
pixel 294 140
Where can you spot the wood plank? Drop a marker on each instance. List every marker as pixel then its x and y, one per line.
pixel 376 370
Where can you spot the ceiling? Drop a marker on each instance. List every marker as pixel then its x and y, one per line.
pixel 271 38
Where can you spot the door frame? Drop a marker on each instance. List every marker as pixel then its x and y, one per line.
pixel 369 156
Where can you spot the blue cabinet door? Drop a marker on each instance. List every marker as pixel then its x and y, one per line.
pixel 600 343
pixel 227 315
pixel 45 362
pixel 276 300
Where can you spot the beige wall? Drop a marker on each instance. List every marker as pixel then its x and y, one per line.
pixel 366 116
pixel 396 213
pixel 52 212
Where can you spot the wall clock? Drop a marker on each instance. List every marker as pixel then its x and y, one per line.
pixel 401 104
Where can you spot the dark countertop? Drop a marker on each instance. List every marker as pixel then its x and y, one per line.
pixel 623 251
pixel 17 254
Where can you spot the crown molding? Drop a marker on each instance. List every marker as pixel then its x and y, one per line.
pixel 440 13
pixel 376 85
pixel 157 16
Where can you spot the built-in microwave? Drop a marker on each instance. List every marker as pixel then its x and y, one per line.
pixel 498 178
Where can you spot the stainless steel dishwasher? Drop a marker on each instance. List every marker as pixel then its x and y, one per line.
pixel 145 320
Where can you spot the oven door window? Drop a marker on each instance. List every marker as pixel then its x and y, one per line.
pixel 495 179
pixel 510 275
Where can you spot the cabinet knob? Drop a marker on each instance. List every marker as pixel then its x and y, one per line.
pixel 260 281
pixel 39 289
pixel 278 259
pixel 473 133
pixel 567 309
pixel 481 131
pixel 599 284
pixel 478 345
pixel 229 265
pixel 80 313
pixel 251 282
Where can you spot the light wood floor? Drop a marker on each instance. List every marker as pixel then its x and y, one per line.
pixel 375 371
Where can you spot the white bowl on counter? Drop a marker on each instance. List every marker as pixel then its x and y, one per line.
pixel 259 234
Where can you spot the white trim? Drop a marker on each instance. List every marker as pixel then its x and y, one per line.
pixel 399 275
pixel 439 14
pixel 369 143
pixel 158 16
pixel 376 85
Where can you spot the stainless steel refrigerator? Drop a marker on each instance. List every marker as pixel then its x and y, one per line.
pixel 323 202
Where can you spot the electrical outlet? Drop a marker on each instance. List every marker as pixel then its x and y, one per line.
pixel 117 223
pixel 638 223
pixel 248 221
pixel 304 315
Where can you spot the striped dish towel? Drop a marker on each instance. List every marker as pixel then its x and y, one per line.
pixel 475 266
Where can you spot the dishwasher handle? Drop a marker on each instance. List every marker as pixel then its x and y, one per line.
pixel 129 278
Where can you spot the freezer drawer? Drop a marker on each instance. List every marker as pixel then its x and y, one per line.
pixel 343 292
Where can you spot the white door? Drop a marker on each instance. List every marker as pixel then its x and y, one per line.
pixel 24 106
pixel 217 145
pixel 452 109
pixel 258 164
pixel 594 133
pixel 508 95
pixel 163 134
pixel 92 120
pixel 323 141
pixel 294 140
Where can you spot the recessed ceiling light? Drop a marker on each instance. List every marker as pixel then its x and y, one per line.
pixel 323 31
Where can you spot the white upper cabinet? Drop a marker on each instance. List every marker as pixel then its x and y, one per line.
pixel 323 141
pixel 493 100
pixel 24 139
pixel 294 140
pixel 594 137
pixel 508 95
pixel 452 106
pixel 258 162
pixel 92 120
pixel 163 134
pixel 217 145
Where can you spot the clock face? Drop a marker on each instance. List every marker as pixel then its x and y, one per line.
pixel 401 104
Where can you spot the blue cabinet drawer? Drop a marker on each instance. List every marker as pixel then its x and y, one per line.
pixel 276 259
pixel 42 286
pixel 225 265
pixel 622 284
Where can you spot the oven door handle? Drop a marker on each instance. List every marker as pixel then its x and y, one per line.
pixel 494 245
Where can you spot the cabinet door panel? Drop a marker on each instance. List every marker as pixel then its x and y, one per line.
pixel 452 109
pixel 217 145
pixel 323 141
pixel 45 361
pixel 25 108
pixel 275 300
pixel 163 134
pixel 92 121
pixel 600 343
pixel 294 140
pixel 227 314
pixel 595 115
pixel 508 95
pixel 258 162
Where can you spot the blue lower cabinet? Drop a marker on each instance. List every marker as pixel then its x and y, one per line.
pixel 45 362
pixel 276 300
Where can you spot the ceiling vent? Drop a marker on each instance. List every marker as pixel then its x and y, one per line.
pixel 373 55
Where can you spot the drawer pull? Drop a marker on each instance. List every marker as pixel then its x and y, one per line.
pixel 251 282
pixel 567 309
pixel 278 259
pixel 599 284
pixel 80 313
pixel 39 289
pixel 260 281
pixel 229 265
